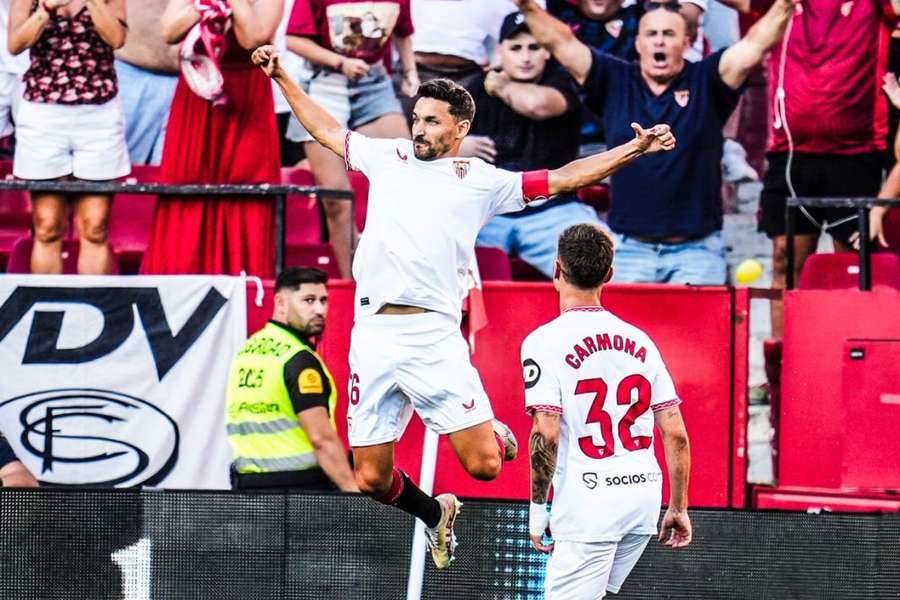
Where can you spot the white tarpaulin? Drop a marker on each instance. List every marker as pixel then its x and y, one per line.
pixel 119 380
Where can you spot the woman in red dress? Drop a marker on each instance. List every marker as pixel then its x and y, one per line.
pixel 232 141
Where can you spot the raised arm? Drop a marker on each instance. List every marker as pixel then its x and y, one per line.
pixel 542 448
pixel 741 58
pixel 556 36
pixel 330 452
pixel 676 530
pixel 177 20
pixel 109 20
pixel 25 26
pixel 255 21
pixel 315 119
pixel 586 171
pixel 537 102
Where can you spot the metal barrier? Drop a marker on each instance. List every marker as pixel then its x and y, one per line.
pixel 862 206
pixel 107 545
pixel 278 191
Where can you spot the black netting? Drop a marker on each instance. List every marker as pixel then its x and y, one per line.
pixel 87 545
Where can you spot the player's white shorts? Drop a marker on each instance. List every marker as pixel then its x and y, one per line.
pixel 587 570
pixel 403 362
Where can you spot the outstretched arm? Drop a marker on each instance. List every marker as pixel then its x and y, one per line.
pixel 556 36
pixel 676 530
pixel 542 447
pixel 741 58
pixel 586 171
pixel 316 120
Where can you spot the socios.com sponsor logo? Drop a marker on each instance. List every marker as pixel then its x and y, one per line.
pixel 78 436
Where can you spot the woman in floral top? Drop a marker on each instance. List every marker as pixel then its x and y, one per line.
pixel 70 123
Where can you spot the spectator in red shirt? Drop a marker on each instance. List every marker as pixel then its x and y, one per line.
pixel 347 43
pixel 829 128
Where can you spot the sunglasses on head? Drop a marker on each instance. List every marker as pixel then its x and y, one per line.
pixel 670 5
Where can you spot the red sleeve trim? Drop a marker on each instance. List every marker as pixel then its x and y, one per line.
pixel 548 408
pixel 347 163
pixel 535 184
pixel 665 405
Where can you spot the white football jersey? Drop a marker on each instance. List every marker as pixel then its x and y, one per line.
pixel 422 220
pixel 606 378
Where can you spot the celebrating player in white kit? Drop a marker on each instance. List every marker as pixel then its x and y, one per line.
pixel 595 385
pixel 426 206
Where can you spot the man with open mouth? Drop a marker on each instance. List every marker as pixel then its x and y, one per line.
pixel 667 210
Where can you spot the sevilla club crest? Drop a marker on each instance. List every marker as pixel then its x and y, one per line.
pixel 461 167
pixel 682 97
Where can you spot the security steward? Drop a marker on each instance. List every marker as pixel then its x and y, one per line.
pixel 12 472
pixel 281 398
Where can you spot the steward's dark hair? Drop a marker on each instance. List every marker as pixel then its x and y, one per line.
pixel 294 277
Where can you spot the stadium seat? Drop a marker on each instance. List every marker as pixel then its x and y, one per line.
pixel 493 264
pixel 304 221
pixel 131 219
pixel 20 258
pixel 15 215
pixel 892 230
pixel 320 256
pixel 840 271
pixel 596 196
pixel 360 185
pixel 522 271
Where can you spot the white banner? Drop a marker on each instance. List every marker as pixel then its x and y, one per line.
pixel 119 381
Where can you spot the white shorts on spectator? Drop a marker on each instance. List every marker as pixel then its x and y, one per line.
pixel 56 140
pixel 587 570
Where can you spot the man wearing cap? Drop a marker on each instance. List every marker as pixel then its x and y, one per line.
pixel 666 211
pixel 281 398
pixel 530 112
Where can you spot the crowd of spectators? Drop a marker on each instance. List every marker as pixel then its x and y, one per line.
pixel 172 82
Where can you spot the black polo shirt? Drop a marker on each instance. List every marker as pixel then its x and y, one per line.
pixel 670 193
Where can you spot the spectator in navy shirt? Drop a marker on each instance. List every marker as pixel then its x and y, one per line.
pixel 666 211
pixel 526 118
pixel 604 25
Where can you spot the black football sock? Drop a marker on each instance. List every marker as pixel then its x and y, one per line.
pixel 405 495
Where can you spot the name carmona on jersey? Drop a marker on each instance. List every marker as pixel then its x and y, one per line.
pixel 601 343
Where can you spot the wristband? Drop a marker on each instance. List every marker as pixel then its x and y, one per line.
pixel 538 519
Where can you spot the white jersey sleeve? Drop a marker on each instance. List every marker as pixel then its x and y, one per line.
pixel 508 193
pixel 363 153
pixel 542 388
pixel 663 388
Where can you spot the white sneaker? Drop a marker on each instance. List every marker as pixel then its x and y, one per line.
pixel 510 444
pixel 441 539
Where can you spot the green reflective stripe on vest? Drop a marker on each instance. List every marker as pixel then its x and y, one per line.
pixel 266 465
pixel 262 426
pixel 267 427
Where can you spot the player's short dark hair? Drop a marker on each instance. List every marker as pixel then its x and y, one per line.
pixel 586 255
pixel 294 277
pixel 462 106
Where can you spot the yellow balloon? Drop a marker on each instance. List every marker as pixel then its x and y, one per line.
pixel 748 271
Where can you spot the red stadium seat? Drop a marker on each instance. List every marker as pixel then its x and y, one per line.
pixel 892 230
pixel 493 264
pixel 360 185
pixel 20 258
pixel 303 220
pixel 840 271
pixel 131 219
pixel 596 196
pixel 320 256
pixel 522 271
pixel 15 215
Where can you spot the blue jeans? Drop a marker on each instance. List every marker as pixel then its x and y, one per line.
pixel 146 99
pixel 697 262
pixel 534 238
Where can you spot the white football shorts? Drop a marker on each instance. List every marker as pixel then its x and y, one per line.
pixel 587 570
pixel 401 363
